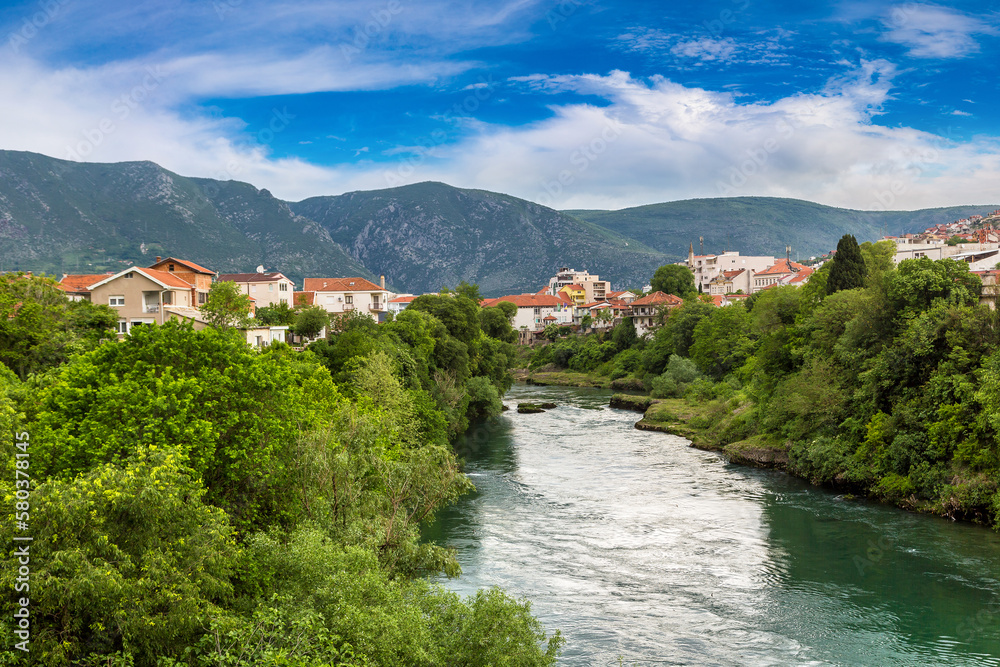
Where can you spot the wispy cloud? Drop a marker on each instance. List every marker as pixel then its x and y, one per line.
pixel 932 31
pixel 685 50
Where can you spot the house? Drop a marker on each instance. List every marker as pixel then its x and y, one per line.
pixel 594 288
pixel 146 296
pixel 645 311
pixel 777 273
pixel 399 304
pixel 532 311
pixel 198 277
pixel 266 289
pixel 343 295
pixel 576 293
pixel 731 282
pixel 625 295
pixel 606 314
pixel 77 286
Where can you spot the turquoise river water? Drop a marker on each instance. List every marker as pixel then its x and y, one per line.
pixel 645 551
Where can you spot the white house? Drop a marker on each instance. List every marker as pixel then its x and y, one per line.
pixel 266 289
pixel 342 295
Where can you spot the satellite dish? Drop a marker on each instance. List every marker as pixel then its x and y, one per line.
pixel 260 269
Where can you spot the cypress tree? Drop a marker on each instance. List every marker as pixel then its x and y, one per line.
pixel 848 268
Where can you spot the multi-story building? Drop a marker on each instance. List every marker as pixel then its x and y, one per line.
pixel 145 296
pixel 706 267
pixel 533 309
pixel 646 311
pixel 342 295
pixel 266 289
pixel 732 282
pixel 594 288
pixel 77 286
pixel 198 277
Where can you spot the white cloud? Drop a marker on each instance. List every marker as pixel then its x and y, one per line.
pixel 705 49
pixel 931 31
pixel 957 112
pixel 649 141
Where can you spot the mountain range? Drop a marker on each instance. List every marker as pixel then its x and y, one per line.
pixel 58 217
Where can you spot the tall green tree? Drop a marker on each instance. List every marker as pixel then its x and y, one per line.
pixel 848 269
pixel 311 321
pixel 227 307
pixel 674 279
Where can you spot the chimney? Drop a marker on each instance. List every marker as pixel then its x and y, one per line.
pixel 381 281
pixel 158 258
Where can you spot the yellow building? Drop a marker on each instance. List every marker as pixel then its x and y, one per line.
pixel 576 293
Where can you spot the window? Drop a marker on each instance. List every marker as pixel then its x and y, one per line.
pixel 128 275
pixel 349 298
pixel 168 298
pixel 116 301
pixel 121 326
pixel 202 298
pixel 270 288
pixel 538 311
pixel 253 288
pixel 283 287
pixel 170 267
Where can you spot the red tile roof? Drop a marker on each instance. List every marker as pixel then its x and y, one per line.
pixel 309 298
pixel 403 299
pixel 166 278
pixel 81 282
pixel 658 298
pixel 250 277
pixel 733 274
pixel 183 262
pixel 340 285
pixel 782 266
pixel 528 301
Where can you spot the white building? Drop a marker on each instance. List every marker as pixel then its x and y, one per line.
pixel 595 288
pixel 707 267
pixel 532 309
pixel 266 289
pixel 342 295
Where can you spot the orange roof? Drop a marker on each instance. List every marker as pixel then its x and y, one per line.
pixel 183 262
pixel 548 317
pixel 782 266
pixel 718 299
pixel 528 301
pixel 250 277
pixel 658 298
pixel 544 290
pixel 733 274
pixel 339 285
pixel 801 277
pixel 402 299
pixel 166 278
pixel 81 282
pixel 578 288
pixel 308 297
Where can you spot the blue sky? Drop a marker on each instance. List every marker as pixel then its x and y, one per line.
pixel 573 104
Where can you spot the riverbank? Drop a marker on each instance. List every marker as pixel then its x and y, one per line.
pixel 713 425
pixel 547 377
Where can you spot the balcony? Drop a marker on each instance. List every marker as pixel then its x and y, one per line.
pixel 155 308
pixel 377 307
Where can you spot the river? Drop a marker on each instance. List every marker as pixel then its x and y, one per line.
pixel 643 550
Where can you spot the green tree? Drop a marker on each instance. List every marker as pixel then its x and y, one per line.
pixel 848 269
pixel 41 328
pixel 310 321
pixel 278 315
pixel 227 307
pixel 470 292
pixel 674 279
pixel 721 341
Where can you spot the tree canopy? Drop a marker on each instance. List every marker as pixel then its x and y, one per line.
pixel 674 279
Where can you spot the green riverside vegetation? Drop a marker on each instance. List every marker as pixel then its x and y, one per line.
pixel 194 501
pixel 889 389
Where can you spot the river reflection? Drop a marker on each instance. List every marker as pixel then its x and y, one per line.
pixel 641 548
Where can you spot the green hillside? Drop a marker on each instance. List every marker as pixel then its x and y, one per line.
pixel 762 225
pixel 427 235
pixel 64 217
